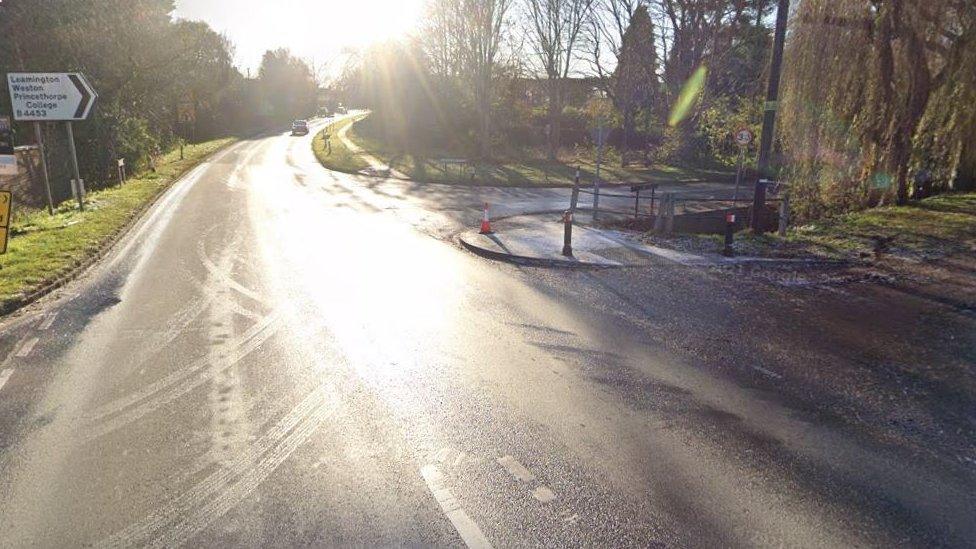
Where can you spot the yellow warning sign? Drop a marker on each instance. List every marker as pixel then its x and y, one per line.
pixel 5 203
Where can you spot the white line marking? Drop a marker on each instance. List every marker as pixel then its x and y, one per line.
pixel 767 372
pixel 27 347
pixel 543 494
pixel 467 528
pixel 516 469
pixel 48 321
pixel 5 375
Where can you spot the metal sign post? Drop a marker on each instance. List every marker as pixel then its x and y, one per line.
pixel 38 134
pixel 6 203
pixel 74 165
pixel 601 137
pixel 743 137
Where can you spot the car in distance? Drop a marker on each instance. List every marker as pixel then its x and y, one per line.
pixel 299 127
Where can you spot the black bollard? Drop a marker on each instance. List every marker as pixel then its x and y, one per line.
pixel 568 233
pixel 729 231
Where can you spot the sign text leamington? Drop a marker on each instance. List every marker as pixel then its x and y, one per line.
pixel 50 96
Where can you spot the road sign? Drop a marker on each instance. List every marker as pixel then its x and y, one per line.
pixel 8 161
pixel 186 113
pixel 50 96
pixel 743 137
pixel 6 201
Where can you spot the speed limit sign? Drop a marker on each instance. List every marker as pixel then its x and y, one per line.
pixel 743 137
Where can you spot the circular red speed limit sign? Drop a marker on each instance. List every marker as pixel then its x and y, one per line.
pixel 743 137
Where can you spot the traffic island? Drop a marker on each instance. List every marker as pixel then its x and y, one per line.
pixel 538 240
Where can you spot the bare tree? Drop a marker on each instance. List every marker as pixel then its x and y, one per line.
pixel 480 24
pixel 441 37
pixel 555 30
pixel 606 36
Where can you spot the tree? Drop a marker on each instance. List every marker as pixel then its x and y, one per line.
pixel 555 32
pixel 635 79
pixel 288 85
pixel 392 79
pixel 480 27
pixel 607 26
pixel 856 126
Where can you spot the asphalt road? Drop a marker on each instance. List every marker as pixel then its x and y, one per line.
pixel 278 355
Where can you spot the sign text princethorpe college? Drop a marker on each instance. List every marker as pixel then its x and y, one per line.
pixel 50 97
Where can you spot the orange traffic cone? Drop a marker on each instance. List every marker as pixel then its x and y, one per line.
pixel 485 223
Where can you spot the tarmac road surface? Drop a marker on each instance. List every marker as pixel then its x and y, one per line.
pixel 278 355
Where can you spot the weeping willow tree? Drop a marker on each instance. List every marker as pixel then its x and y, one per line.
pixel 878 94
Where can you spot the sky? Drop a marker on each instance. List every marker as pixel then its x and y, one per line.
pixel 315 30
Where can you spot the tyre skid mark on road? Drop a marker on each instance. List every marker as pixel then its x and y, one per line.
pixel 210 294
pixel 766 372
pixel 184 516
pixel 226 278
pixel 184 319
pixel 179 382
pixel 160 339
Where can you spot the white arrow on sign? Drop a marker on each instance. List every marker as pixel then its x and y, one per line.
pixel 50 96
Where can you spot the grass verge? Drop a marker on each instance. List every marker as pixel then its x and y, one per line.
pixel 339 157
pixel 934 227
pixel 45 248
pixel 505 172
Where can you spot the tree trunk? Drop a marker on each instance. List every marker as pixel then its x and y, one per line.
pixel 484 106
pixel 553 134
pixel 625 143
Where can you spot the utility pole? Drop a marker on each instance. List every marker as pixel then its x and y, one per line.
pixel 769 114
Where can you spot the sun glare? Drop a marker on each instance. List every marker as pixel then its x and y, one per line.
pixel 313 29
pixel 366 21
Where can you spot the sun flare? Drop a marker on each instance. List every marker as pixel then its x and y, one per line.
pixel 319 30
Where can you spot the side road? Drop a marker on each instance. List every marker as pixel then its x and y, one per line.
pixel 864 344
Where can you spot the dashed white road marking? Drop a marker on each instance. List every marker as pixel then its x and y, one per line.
pixel 467 528
pixel 27 347
pixel 48 321
pixel 543 494
pixel 569 518
pixel 516 469
pixel 5 375
pixel 769 373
